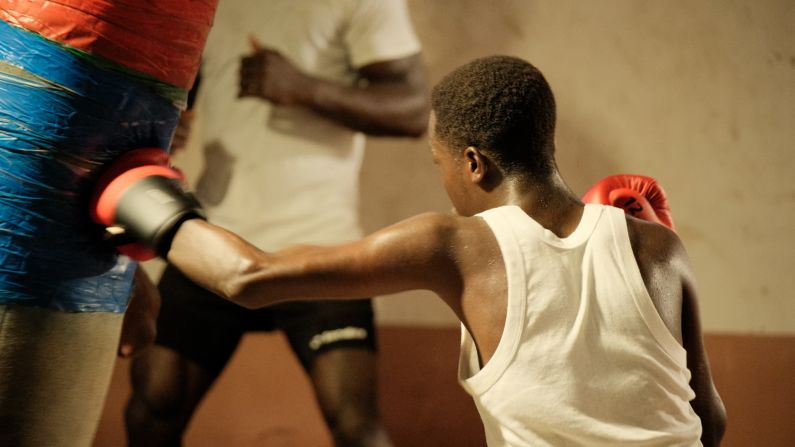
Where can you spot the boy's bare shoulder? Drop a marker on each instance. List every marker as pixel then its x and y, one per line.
pixel 451 231
pixel 652 242
pixel 450 224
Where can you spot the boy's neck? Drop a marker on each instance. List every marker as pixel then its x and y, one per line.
pixel 551 203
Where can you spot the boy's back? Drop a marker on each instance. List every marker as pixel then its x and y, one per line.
pixel 583 357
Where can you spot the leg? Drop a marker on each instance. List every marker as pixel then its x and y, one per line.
pixel 167 388
pixel 140 320
pixel 196 335
pixel 55 368
pixel 335 342
pixel 345 386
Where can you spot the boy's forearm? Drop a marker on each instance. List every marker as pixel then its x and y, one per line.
pixel 394 259
pixel 232 268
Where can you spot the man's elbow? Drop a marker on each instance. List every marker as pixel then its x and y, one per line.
pixel 410 119
pixel 412 125
pixel 419 126
pixel 404 128
pixel 418 123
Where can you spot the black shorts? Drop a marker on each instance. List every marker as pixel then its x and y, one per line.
pixel 207 329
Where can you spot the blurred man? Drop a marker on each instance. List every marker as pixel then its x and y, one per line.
pixel 288 88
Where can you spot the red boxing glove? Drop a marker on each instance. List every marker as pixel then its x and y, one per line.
pixel 638 195
pixel 129 168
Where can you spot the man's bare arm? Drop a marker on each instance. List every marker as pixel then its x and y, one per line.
pixel 413 254
pixel 389 99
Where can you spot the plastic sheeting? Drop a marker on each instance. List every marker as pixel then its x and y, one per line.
pixel 163 38
pixel 62 117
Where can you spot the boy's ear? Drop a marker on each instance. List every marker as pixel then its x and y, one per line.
pixel 477 164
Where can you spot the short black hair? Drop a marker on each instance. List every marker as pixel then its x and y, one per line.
pixel 503 106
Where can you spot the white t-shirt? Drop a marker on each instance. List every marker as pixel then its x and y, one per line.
pixel 584 358
pixel 284 175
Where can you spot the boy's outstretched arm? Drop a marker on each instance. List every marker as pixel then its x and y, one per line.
pixel 141 194
pixel 413 254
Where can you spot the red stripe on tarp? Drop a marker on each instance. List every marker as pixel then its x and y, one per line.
pixel 160 38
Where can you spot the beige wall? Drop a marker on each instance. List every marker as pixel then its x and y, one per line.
pixel 700 95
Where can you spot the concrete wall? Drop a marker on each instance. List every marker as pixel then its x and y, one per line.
pixel 700 95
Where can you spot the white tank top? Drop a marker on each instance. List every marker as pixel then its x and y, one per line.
pixel 584 359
